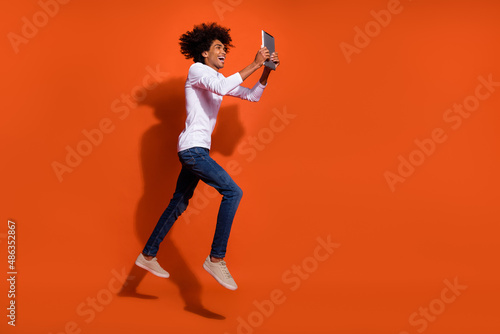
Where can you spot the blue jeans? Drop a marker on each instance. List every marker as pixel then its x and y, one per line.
pixel 198 165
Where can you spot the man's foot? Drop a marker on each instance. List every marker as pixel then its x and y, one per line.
pixel 152 266
pixel 220 272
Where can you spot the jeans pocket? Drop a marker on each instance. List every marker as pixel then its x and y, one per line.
pixel 186 157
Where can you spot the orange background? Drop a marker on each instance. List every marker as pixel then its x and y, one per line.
pixel 320 175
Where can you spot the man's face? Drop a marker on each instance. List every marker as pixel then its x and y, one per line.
pixel 216 56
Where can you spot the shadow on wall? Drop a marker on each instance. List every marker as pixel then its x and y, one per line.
pixel 160 168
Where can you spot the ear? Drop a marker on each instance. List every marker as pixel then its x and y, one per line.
pixel 204 54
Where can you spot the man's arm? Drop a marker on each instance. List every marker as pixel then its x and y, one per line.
pixel 259 60
pixel 255 93
pixel 198 78
pixel 264 76
pixel 267 70
pixel 252 95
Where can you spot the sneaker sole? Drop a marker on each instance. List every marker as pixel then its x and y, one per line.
pixel 224 284
pixel 152 271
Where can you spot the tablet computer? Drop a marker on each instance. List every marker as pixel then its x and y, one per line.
pixel 268 42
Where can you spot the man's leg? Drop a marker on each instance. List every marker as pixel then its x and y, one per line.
pixel 210 172
pixel 203 166
pixel 186 183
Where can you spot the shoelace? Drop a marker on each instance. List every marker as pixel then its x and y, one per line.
pixel 224 269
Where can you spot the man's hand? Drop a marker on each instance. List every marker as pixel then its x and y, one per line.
pixel 261 56
pixel 275 59
pixel 265 74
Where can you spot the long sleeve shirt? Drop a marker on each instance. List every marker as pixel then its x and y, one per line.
pixel 204 89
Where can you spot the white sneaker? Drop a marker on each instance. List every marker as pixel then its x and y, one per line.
pixel 220 272
pixel 152 266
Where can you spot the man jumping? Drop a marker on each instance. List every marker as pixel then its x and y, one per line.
pixel 205 87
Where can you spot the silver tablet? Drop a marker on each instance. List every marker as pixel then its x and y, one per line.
pixel 268 42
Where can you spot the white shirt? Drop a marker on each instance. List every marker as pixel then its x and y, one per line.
pixel 204 90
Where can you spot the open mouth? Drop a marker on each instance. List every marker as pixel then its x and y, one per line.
pixel 222 59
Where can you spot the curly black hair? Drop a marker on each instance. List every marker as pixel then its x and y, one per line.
pixel 193 43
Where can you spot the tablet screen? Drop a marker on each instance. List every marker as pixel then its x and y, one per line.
pixel 268 41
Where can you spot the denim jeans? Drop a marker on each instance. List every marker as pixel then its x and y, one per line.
pixel 198 165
